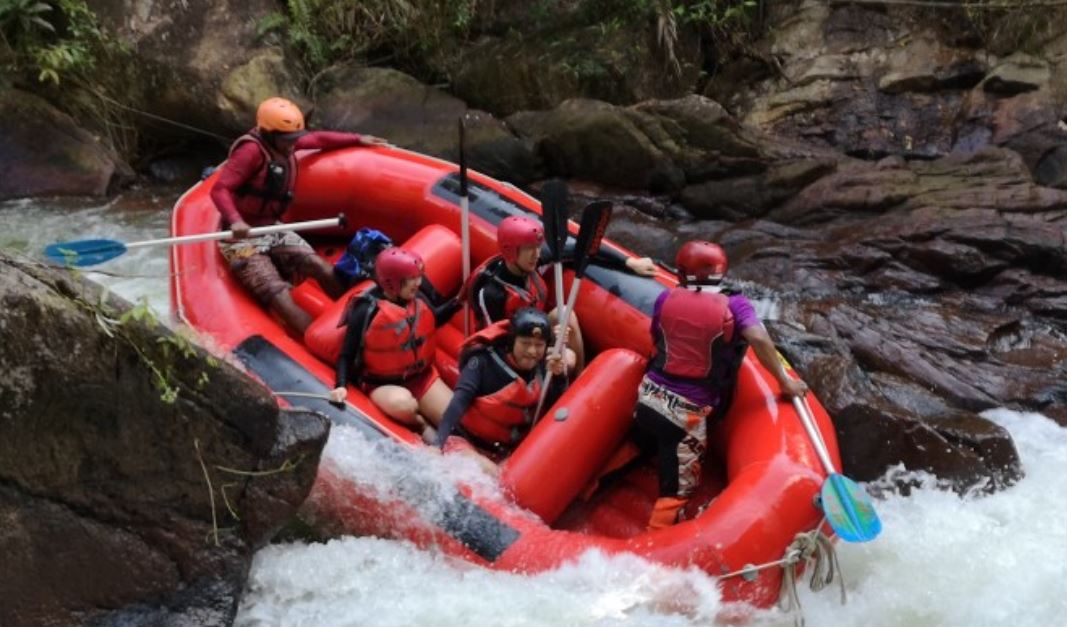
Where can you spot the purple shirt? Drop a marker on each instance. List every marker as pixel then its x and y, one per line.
pixel 744 317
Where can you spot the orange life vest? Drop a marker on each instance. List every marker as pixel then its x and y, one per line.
pixel 399 342
pixel 504 416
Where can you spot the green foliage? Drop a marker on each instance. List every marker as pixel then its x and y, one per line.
pixel 414 35
pixel 1006 26
pixel 163 359
pixel 53 39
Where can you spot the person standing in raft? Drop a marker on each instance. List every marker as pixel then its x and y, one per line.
pixel 502 369
pixel 254 188
pixel 389 345
pixel 700 334
pixel 509 281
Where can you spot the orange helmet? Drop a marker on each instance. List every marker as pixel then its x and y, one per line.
pixel 278 115
pixel 701 263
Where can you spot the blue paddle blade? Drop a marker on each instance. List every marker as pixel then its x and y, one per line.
pixel 86 252
pixel 849 510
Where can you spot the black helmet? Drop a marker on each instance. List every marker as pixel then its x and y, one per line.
pixel 530 322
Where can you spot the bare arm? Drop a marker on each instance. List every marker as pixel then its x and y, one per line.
pixel 763 346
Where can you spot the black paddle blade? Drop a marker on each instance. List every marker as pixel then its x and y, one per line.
pixel 595 218
pixel 554 217
pixel 462 156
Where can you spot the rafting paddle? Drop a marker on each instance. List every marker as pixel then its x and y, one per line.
pixel 847 506
pixel 595 218
pixel 89 252
pixel 554 219
pixel 464 222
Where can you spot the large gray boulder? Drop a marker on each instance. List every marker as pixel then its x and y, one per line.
pixel 137 474
pixel 45 153
pixel 617 63
pixel 396 106
pixel 201 62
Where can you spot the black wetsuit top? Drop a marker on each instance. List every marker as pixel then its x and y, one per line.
pixel 482 376
pixel 490 297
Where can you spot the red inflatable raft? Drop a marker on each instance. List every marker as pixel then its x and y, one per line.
pixel 762 474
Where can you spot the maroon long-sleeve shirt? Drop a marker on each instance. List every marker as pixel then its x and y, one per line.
pixel 247 161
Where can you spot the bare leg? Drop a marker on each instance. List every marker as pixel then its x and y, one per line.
pixel 293 315
pixel 397 403
pixel 433 403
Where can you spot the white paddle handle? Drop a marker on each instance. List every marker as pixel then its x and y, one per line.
pixel 465 241
pixel 563 321
pixel 801 405
pixel 259 230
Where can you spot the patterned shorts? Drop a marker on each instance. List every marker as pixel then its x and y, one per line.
pixel 692 422
pixel 269 264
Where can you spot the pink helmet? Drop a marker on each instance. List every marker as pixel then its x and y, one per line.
pixel 514 232
pixel 393 266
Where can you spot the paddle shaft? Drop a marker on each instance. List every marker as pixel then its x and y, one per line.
pixel 261 230
pixel 557 268
pixel 806 419
pixel 464 223
pixel 563 322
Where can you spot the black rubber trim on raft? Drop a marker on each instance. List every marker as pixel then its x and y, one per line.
pixel 458 516
pixel 604 269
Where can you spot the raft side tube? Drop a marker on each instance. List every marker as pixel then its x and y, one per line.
pixel 576 436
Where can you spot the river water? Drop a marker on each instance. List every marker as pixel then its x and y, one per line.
pixel 942 559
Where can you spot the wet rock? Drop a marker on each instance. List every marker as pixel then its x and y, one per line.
pixel 1017 74
pixel 739 198
pixel 608 61
pixel 200 62
pixel 46 153
pixel 883 417
pixel 396 106
pixel 137 475
pixel 599 142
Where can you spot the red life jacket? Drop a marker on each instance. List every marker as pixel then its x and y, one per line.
pixel 534 294
pixel 693 328
pixel 398 342
pixel 265 196
pixel 505 415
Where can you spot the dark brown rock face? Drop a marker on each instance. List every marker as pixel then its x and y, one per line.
pixel 45 153
pixel 120 506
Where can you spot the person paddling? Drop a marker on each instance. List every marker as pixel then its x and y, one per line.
pixel 700 334
pixel 502 369
pixel 254 188
pixel 389 344
pixel 509 281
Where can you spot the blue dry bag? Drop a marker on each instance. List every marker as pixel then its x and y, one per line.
pixel 357 263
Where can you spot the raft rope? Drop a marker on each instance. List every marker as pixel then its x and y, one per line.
pixel 153 116
pixel 811 548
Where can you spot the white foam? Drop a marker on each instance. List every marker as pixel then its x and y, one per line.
pixel 365 581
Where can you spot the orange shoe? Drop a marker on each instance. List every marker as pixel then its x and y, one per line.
pixel 665 512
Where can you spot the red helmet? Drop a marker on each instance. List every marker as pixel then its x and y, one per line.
pixel 393 266
pixel 516 231
pixel 700 263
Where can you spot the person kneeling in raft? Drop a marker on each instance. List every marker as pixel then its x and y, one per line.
pixel 502 370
